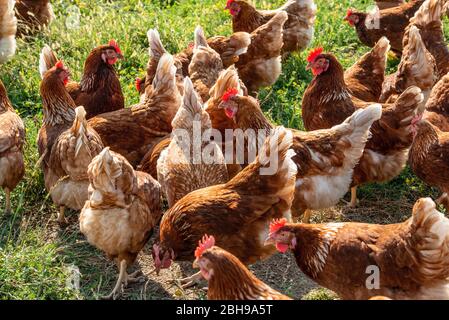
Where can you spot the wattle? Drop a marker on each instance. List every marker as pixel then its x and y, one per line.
pixel 281 247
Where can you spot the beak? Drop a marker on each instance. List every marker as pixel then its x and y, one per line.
pixel 309 66
pixel 269 241
pixel 195 264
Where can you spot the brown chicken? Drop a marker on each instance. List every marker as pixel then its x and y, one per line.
pixel 33 15
pixel 223 271
pixel 99 90
pixel 12 139
pixel 429 158
pixel 236 213
pixel 66 143
pixel 386 4
pixel 428 20
pixel 417 68
pixel 365 78
pixel 205 66
pixel 261 66
pixel 409 260
pixel 132 131
pixel 229 48
pixel 8 28
pixel 325 158
pixel 190 162
pixel 390 23
pixel 437 107
pixel 149 161
pixel 122 210
pixel 298 30
pixel 386 151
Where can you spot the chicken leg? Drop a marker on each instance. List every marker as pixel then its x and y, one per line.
pixel 354 199
pixel 61 216
pixel 306 216
pixel 8 201
pixel 123 280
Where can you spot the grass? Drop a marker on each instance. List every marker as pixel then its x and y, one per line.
pixel 36 256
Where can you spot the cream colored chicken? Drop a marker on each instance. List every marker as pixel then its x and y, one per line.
pixel 191 161
pixel 8 29
pixel 122 210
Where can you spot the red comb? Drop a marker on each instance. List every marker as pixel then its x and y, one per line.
pixel 228 4
pixel 59 65
pixel 348 13
pixel 229 94
pixel 276 224
pixel 206 243
pixel 138 84
pixel 314 53
pixel 114 44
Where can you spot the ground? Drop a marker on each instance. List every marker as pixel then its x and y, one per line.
pixel 39 260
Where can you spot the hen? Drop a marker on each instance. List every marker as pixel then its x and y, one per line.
pixel 428 20
pixel 132 131
pixel 365 78
pixel 437 107
pixel 237 213
pixel 417 68
pixel 99 90
pixel 191 161
pixel 223 271
pixel 409 260
pixel 386 152
pixel 12 139
pixel 429 157
pixel 325 158
pixel 298 30
pixel 8 28
pixel 390 23
pixel 33 15
pixel 122 210
pixel 66 143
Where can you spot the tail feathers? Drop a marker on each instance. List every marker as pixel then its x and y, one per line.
pixel 228 79
pixel 157 49
pixel 430 240
pixel 165 78
pixel 409 103
pixel 200 39
pixel 104 169
pixel 8 29
pixel 79 129
pixel 191 101
pixel 430 11
pixel 47 60
pixel 382 47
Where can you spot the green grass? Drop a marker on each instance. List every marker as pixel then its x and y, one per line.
pixel 34 254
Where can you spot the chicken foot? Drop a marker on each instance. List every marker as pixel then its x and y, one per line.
pixel 191 281
pixel 123 280
pixel 354 200
pixel 306 216
pixel 61 216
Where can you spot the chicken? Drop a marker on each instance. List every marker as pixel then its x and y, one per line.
pixel 390 23
pixel 408 260
pixel 261 65
pixel 325 158
pixel 122 210
pixel 437 107
pixel 223 271
pixel 149 161
pixel 132 131
pixel 229 48
pixel 205 66
pixel 386 151
pixel 8 28
pixel 365 78
pixel 190 162
pixel 428 20
pixel 12 139
pixel 417 68
pixel 298 30
pixel 66 143
pixel 33 15
pixel 99 90
pixel 386 4
pixel 429 157
pixel 236 213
